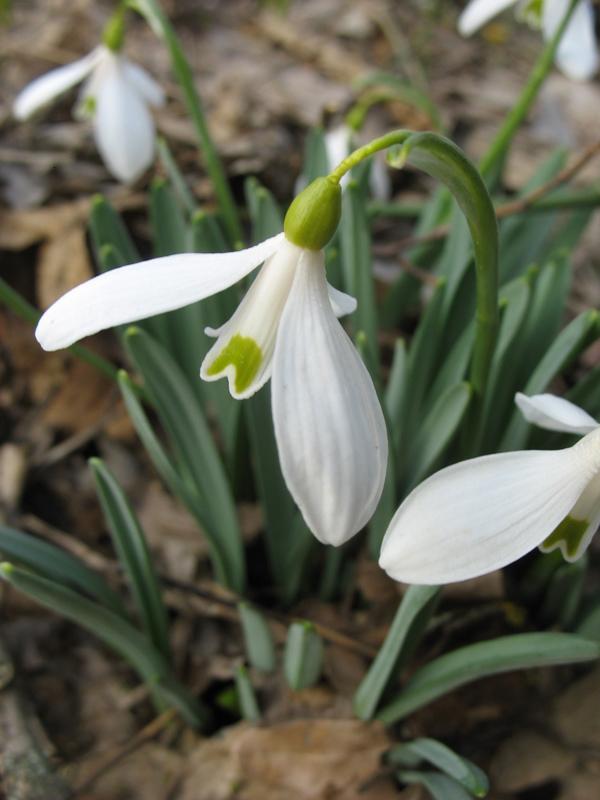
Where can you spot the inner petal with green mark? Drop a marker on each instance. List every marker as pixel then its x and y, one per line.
pixel 575 532
pixel 243 352
pixel 244 355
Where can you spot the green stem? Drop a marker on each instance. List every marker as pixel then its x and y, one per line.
pixel 26 311
pixel 382 143
pixel 442 159
pixel 158 21
pixel 493 161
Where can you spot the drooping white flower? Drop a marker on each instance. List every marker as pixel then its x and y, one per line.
pixel 117 94
pixel 330 430
pixel 482 514
pixel 577 54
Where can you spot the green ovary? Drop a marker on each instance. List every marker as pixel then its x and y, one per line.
pixel 569 533
pixel 243 353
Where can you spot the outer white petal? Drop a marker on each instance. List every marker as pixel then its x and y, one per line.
pixel 482 514
pixel 54 83
pixel 123 126
pixel 253 327
pixel 329 427
pixel 478 12
pixel 151 91
pixel 584 519
pixel 577 54
pixel 341 303
pixel 555 413
pixel 143 290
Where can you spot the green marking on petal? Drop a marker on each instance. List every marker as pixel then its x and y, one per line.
pixel 243 353
pixel 567 536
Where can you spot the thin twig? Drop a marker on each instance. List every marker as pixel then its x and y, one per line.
pixel 506 209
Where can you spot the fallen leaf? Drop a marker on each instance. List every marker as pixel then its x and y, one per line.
pixel 63 262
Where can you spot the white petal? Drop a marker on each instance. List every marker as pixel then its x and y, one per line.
pixel 123 125
pixel 341 303
pixel 555 413
pixel 478 12
pixel 482 514
pixel 329 426
pixel 577 54
pixel 151 91
pixel 142 290
pixel 54 83
pixel 244 350
pixel 574 534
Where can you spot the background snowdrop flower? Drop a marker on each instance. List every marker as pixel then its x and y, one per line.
pixel 577 54
pixel 330 429
pixel 116 94
pixel 479 515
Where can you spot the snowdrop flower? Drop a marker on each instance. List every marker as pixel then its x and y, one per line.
pixel 479 515
pixel 577 54
pixel 116 93
pixel 330 429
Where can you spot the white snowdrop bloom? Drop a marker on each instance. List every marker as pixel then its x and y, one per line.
pixel 479 515
pixel 329 426
pixel 117 94
pixel 577 54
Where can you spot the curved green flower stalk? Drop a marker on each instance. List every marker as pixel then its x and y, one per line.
pixel 442 159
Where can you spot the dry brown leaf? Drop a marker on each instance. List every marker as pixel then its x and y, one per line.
pixel 63 262
pixel 82 399
pixel 529 759
pixel 576 713
pixel 319 759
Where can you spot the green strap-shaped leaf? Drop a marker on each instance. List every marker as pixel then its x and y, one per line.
pixel 440 787
pixel 245 694
pixel 303 656
pixel 132 550
pixel 504 654
pixel 107 227
pixel 57 565
pixel 191 437
pixel 411 618
pixel 260 647
pixel 158 21
pixel 411 754
pixel 119 635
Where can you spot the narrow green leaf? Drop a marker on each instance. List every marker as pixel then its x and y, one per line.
pixel 132 550
pixel 245 695
pixel 315 161
pixel 436 431
pixel 469 775
pixel 117 634
pixel 181 416
pixel 303 655
pixel 396 392
pixel 355 248
pixel 440 787
pixel 266 216
pixel 258 640
pixel 169 227
pixel 107 227
pixel 158 21
pixel 184 196
pixel 57 565
pixel 564 593
pixel 412 615
pixel 504 654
